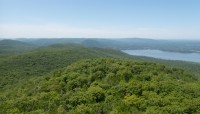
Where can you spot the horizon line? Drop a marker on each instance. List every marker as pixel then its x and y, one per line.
pixel 101 38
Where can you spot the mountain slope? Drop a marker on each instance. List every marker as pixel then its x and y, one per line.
pixel 13 46
pixel 16 68
pixel 107 86
pixel 45 59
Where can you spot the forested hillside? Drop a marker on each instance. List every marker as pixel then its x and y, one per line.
pixel 13 46
pixel 43 60
pixel 188 66
pixel 107 86
pixel 19 67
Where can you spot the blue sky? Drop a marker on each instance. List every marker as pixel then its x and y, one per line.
pixel 159 19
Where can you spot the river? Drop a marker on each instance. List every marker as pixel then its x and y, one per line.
pixel 193 57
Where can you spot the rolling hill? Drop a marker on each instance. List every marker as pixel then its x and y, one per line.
pixel 14 46
pixel 42 60
pixel 45 59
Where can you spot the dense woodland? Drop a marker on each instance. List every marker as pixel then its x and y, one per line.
pixel 107 86
pixel 71 78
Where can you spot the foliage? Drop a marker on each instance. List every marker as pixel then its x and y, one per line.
pixel 107 86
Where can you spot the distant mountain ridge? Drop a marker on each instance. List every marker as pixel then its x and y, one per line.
pixel 124 43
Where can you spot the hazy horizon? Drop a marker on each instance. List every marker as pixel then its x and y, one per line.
pixel 107 38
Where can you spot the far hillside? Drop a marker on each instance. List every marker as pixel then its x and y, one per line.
pixel 14 46
pixel 183 46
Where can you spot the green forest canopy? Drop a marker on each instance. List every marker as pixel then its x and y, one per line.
pixel 107 86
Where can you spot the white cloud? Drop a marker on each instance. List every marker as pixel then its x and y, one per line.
pixel 58 31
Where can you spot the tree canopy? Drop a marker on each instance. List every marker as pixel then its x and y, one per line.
pixel 104 86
